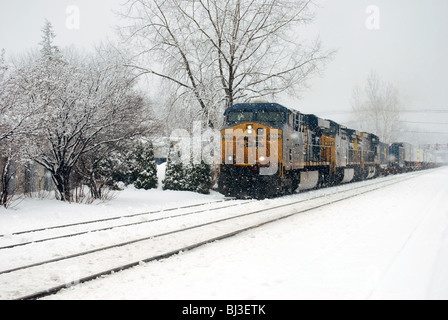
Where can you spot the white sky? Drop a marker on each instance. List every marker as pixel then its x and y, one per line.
pixel 410 49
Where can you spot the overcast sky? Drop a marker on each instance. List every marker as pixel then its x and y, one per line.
pixel 409 47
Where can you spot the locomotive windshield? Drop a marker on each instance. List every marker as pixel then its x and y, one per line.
pixel 262 116
pixel 261 113
pixel 240 116
pixel 271 116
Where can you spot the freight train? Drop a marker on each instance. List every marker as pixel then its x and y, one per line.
pixel 269 150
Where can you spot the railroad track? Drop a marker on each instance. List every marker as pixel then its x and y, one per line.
pixel 182 236
pixel 114 218
pixel 41 234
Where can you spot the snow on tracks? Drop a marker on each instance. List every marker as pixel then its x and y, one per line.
pixel 179 234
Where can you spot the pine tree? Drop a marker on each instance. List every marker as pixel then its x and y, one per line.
pixel 175 177
pixel 3 66
pixel 199 178
pixel 48 50
pixel 145 170
pixel 114 170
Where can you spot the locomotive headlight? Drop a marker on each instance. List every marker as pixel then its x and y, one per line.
pixel 263 160
pixel 250 129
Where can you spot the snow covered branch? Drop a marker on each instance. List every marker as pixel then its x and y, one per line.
pixel 220 52
pixel 377 108
pixel 57 107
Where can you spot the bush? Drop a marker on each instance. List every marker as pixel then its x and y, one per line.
pixel 145 167
pixel 175 177
pixel 199 178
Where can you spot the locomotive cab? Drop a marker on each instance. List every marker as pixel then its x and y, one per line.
pixel 251 163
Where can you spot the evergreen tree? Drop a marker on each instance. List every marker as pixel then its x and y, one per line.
pixel 48 50
pixel 3 66
pixel 199 178
pixel 145 170
pixel 175 177
pixel 113 168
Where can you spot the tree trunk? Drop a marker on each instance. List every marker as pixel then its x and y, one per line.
pixel 95 187
pixel 5 184
pixel 61 179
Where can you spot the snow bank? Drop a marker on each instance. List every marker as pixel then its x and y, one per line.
pixel 391 243
pixel 38 213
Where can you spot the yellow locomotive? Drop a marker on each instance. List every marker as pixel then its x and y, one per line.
pixel 269 150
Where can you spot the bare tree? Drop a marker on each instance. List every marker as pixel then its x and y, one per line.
pixel 58 106
pixel 16 127
pixel 86 104
pixel 219 52
pixel 91 107
pixel 376 108
pixel 3 67
pixel 14 111
pixel 6 131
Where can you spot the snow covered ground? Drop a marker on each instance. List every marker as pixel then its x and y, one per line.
pixel 30 214
pixel 388 244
